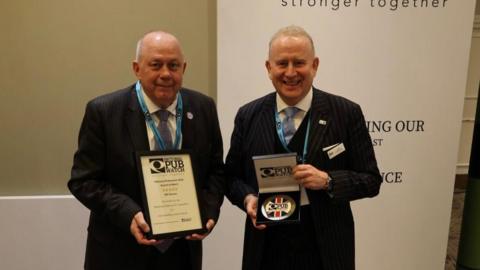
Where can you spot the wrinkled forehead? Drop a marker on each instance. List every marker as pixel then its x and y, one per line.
pixel 291 45
pixel 161 45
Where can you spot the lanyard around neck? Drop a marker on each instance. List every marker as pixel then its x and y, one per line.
pixel 151 123
pixel 281 136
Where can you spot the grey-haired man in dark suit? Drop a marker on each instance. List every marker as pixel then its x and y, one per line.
pixel 104 175
pixel 339 163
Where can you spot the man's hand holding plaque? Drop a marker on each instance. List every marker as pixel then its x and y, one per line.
pixel 251 205
pixel 197 236
pixel 310 177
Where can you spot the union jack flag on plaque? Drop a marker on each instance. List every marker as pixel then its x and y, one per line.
pixel 278 207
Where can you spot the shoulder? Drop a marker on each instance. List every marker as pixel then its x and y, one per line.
pixel 195 96
pixel 115 99
pixel 335 102
pixel 256 105
pixel 112 105
pixel 199 104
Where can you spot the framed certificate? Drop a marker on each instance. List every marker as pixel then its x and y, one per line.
pixel 169 193
pixel 279 194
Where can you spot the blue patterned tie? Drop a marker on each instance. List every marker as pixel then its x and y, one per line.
pixel 167 141
pixel 289 123
pixel 163 129
pixel 164 245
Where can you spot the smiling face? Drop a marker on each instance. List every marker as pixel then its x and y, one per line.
pixel 291 66
pixel 160 67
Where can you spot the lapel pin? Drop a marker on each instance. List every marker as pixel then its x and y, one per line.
pixel 322 122
pixel 189 115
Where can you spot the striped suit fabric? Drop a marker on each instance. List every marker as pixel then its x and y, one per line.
pixel 355 174
pixel 105 178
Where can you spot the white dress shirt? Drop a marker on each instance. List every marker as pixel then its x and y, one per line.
pixel 172 121
pixel 304 105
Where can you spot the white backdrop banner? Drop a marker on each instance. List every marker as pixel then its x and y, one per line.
pixel 405 62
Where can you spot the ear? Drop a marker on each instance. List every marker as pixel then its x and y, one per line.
pixel 184 67
pixel 316 63
pixel 269 68
pixel 136 69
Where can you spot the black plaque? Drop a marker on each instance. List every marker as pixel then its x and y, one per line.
pixel 279 193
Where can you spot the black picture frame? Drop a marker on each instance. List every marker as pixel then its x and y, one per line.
pixel 170 200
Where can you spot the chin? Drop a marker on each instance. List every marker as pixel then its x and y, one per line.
pixel 165 94
pixel 292 94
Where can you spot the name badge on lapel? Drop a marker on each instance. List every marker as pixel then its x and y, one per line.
pixel 334 150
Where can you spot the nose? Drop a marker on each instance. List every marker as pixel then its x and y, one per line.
pixel 290 72
pixel 165 72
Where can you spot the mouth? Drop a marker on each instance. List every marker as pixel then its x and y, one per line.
pixel 292 83
pixel 164 86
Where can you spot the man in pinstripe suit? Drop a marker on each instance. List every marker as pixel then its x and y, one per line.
pixel 339 163
pixel 104 175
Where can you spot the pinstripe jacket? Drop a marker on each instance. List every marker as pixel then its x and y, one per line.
pixel 354 172
pixel 104 175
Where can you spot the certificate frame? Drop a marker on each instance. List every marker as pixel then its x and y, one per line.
pixel 170 196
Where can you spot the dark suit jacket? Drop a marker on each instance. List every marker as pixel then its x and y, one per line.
pixel 354 172
pixel 104 175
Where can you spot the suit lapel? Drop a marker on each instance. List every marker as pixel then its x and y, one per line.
pixel 263 137
pixel 135 122
pixel 319 124
pixel 188 134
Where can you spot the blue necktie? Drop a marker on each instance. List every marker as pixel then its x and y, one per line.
pixel 289 123
pixel 167 141
pixel 164 245
pixel 163 129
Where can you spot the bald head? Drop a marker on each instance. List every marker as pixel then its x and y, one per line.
pixel 159 65
pixel 292 64
pixel 291 31
pixel 156 38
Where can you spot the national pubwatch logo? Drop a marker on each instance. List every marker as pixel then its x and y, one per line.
pixel 278 207
pixel 276 171
pixel 166 165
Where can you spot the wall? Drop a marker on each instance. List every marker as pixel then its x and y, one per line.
pixel 471 99
pixel 57 55
pixel 43 233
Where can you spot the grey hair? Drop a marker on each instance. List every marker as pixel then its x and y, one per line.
pixel 291 31
pixel 138 50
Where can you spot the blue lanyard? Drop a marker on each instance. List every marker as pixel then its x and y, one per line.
pixel 281 136
pixel 151 123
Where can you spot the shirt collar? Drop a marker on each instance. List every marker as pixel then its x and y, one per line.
pixel 153 108
pixel 303 104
